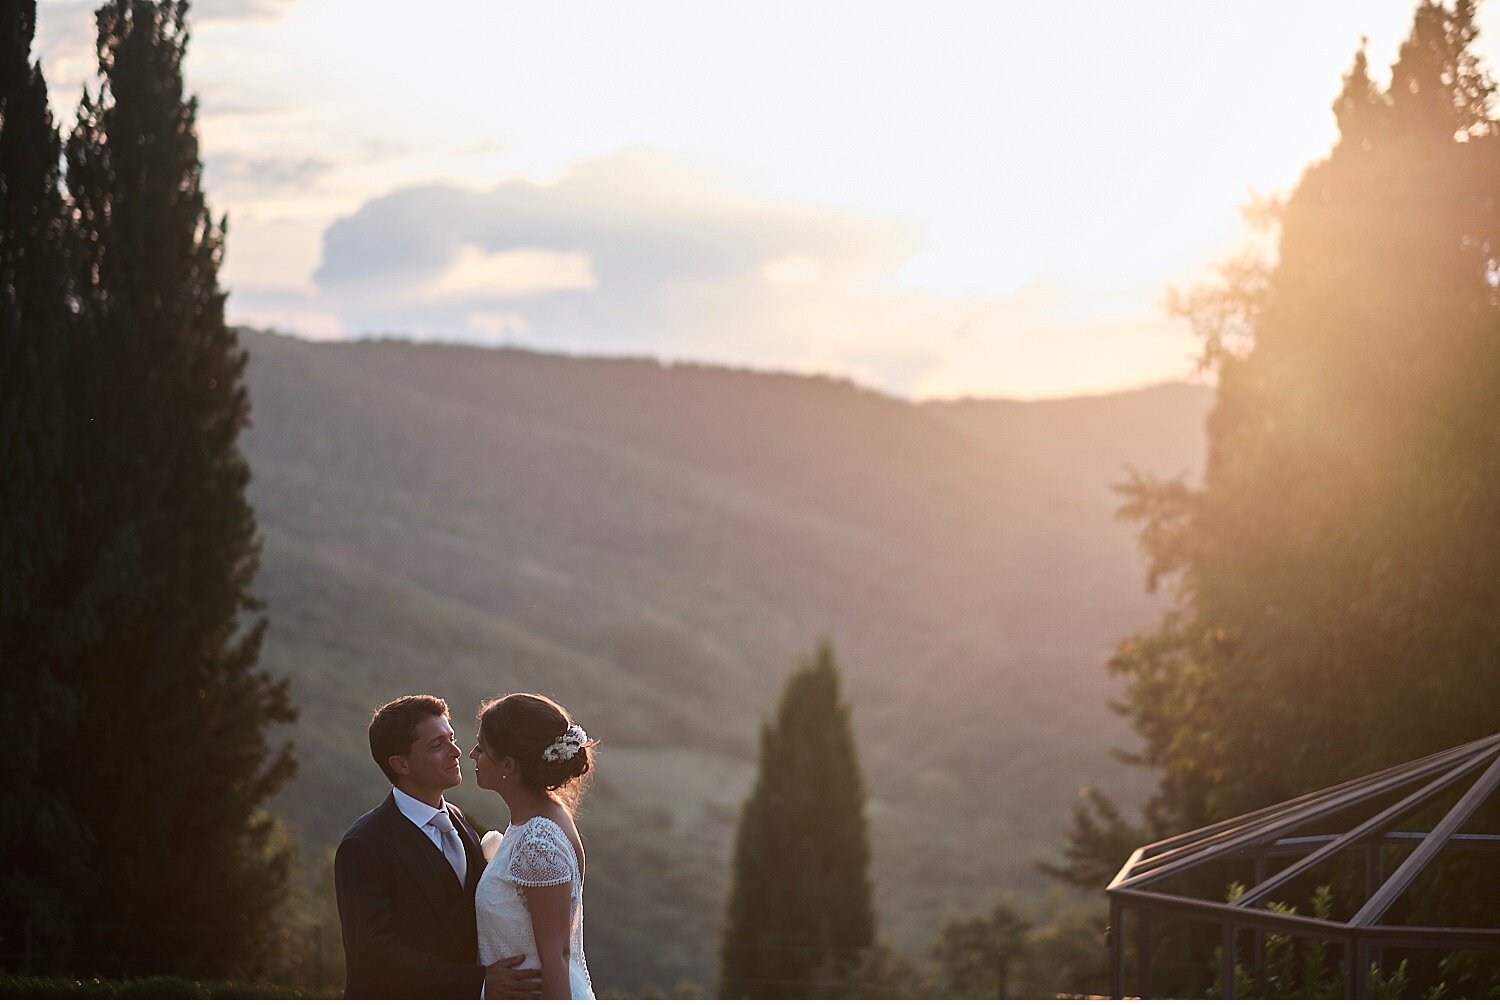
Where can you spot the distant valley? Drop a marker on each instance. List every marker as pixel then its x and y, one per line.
pixel 657 546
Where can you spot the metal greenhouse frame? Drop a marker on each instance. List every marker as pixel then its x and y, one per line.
pixel 1267 837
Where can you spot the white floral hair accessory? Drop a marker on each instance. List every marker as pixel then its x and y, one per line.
pixel 565 746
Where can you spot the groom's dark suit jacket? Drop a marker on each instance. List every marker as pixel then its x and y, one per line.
pixel 408 924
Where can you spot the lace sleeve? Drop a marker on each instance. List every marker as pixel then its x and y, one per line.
pixel 543 858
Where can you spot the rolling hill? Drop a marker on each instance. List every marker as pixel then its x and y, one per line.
pixel 657 546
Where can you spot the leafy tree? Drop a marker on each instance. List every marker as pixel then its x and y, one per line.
pixel 800 915
pixel 1004 954
pixel 1099 843
pixel 174 765
pixel 976 955
pixel 879 973
pixel 1337 572
pixel 41 845
pixel 1068 955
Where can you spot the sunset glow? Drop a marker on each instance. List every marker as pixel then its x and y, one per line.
pixel 945 200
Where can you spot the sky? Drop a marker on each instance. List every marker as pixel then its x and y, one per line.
pixel 936 199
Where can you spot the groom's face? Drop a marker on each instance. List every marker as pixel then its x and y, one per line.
pixel 433 763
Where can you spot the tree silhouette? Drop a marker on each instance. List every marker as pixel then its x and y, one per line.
pixel 1337 573
pixel 40 846
pixel 173 766
pixel 799 908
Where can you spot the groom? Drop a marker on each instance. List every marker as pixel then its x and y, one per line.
pixel 405 873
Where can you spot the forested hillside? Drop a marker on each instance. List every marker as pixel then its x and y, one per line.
pixel 656 546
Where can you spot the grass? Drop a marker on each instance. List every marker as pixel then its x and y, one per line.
pixel 23 986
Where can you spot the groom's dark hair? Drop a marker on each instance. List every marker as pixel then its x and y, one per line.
pixel 393 727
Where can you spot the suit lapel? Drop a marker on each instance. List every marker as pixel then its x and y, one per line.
pixel 420 857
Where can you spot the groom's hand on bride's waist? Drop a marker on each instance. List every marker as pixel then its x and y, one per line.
pixel 503 980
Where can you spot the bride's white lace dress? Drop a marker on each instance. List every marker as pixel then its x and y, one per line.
pixel 534 853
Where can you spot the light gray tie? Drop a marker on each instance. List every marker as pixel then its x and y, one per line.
pixel 453 849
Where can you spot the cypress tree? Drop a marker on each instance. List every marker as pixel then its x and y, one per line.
pixel 39 839
pixel 1337 574
pixel 800 909
pixel 174 765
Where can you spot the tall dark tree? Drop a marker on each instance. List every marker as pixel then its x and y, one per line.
pixel 39 846
pixel 1337 573
pixel 174 763
pixel 800 914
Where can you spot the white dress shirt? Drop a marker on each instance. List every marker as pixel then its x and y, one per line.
pixel 419 812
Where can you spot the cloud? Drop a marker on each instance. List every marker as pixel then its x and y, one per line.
pixel 793 270
pixel 65 35
pixel 241 10
pixel 381 148
pixel 639 252
pixel 211 107
pixel 629 253
pixel 234 174
pixel 521 272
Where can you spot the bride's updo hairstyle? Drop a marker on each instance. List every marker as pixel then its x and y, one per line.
pixel 553 753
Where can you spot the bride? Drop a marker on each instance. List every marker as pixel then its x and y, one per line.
pixel 530 899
